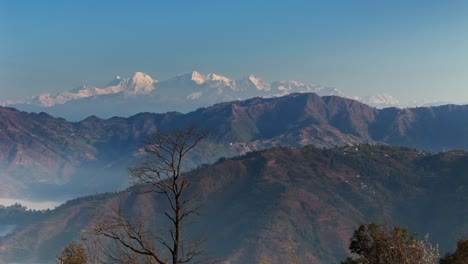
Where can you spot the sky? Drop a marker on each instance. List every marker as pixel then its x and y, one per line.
pixel 411 49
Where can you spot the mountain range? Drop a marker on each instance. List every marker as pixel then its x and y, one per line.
pixel 44 157
pixel 267 205
pixel 183 93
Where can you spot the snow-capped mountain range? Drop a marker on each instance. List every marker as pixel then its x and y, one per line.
pixel 182 93
pixel 139 83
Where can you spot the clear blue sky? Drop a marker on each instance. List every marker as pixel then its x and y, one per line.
pixel 406 48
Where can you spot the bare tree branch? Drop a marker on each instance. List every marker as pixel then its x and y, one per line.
pixel 163 169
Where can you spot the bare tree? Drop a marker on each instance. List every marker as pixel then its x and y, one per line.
pixel 134 241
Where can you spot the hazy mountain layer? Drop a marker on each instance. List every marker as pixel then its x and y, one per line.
pixel 45 156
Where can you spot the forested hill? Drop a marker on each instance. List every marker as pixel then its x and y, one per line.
pixel 259 206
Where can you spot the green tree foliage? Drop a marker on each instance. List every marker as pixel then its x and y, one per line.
pixel 74 253
pixel 460 256
pixel 374 244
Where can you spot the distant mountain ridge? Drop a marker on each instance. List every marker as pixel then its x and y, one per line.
pixel 182 93
pixel 40 152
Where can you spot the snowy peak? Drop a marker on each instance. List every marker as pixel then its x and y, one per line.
pixel 286 87
pixel 212 77
pixel 140 83
pixel 290 86
pixel 211 80
pixel 259 84
pixel 380 100
pixel 186 78
pixel 197 78
pixel 251 82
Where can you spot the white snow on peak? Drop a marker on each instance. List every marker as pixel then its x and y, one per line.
pixel 196 80
pixel 384 98
pixel 197 77
pixel 380 100
pixel 219 78
pixel 140 83
pixel 258 83
pixel 189 77
pixel 288 86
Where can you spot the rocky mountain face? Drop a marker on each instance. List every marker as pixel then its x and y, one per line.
pixel 42 155
pixel 265 205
